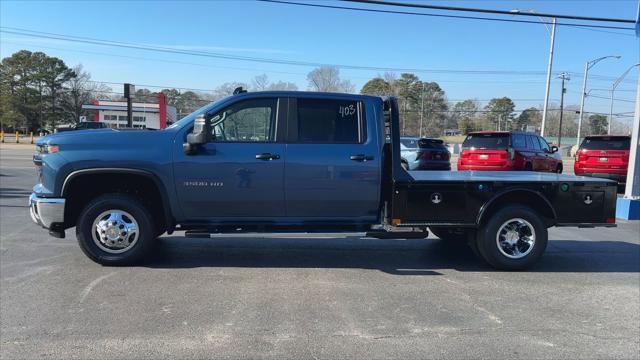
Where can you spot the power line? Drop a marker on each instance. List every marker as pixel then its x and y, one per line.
pixel 119 44
pixel 94 41
pixel 490 11
pixel 443 15
pixel 254 69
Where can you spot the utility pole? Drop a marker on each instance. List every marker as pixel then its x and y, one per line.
pixel 549 69
pixel 129 91
pixel 613 89
pixel 563 76
pixel 588 65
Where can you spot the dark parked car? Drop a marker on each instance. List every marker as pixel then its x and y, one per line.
pixel 424 154
pixel 604 156
pixel 508 151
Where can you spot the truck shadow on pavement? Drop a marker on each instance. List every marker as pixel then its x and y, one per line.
pixel 396 257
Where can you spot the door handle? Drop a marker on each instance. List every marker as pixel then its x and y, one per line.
pixel 267 156
pixel 361 157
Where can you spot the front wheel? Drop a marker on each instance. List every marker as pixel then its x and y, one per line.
pixel 115 229
pixel 559 169
pixel 514 238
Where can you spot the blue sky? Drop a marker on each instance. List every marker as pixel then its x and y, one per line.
pixel 265 30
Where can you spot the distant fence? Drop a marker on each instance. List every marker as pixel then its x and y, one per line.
pixel 17 137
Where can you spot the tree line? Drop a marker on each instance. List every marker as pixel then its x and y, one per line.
pixel 39 92
pixel 425 110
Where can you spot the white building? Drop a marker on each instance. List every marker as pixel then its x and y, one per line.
pixel 145 115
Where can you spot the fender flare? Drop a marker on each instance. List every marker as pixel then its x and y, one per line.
pixel 499 195
pixel 163 195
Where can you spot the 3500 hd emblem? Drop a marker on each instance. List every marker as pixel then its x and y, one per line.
pixel 204 183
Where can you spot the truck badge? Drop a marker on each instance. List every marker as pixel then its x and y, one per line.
pixel 587 199
pixel 436 198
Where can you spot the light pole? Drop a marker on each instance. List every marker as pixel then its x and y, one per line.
pixel 613 89
pixel 548 86
pixel 421 109
pixel 552 32
pixel 563 76
pixel 588 65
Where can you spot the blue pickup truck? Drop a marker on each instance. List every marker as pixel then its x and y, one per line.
pixel 293 161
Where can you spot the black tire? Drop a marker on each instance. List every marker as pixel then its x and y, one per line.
pixel 120 202
pixel 528 167
pixel 559 169
pixel 450 233
pixel 487 239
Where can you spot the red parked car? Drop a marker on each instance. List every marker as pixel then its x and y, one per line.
pixel 508 151
pixel 604 156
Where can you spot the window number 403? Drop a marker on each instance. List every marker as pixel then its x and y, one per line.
pixel 347 110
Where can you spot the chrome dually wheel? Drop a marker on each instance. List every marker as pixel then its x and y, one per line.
pixel 516 238
pixel 115 231
pixel 513 237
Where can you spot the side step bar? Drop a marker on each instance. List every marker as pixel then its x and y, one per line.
pixel 371 234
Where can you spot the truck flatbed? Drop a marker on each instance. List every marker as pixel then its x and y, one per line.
pixel 509 176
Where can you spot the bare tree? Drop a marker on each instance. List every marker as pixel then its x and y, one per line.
pixel 78 91
pixel 283 85
pixel 327 79
pixel 260 83
pixel 227 88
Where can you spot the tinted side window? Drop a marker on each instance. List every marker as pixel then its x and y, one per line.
pixel 246 121
pixel 329 121
pixel 533 143
pixel 543 144
pixel 519 141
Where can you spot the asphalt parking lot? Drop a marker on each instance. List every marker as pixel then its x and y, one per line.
pixel 316 296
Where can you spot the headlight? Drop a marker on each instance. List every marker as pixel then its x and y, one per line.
pixel 48 148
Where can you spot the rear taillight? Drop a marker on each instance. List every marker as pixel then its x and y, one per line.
pixel 464 154
pixel 434 155
pixel 580 155
pixel 424 155
pixel 611 220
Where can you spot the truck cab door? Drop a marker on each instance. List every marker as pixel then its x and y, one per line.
pixel 333 167
pixel 238 176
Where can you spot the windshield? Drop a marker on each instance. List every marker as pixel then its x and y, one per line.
pixel 410 143
pixel 189 118
pixel 432 144
pixel 486 141
pixel 607 143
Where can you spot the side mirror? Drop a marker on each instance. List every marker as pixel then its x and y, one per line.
pixel 554 149
pixel 200 135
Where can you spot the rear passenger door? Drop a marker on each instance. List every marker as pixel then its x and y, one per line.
pixel 549 159
pixel 537 157
pixel 332 170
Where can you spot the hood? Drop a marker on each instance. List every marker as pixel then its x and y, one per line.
pixel 121 138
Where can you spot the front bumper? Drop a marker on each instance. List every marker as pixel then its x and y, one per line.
pixel 46 211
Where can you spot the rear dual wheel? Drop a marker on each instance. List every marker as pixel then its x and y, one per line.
pixel 457 235
pixel 514 238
